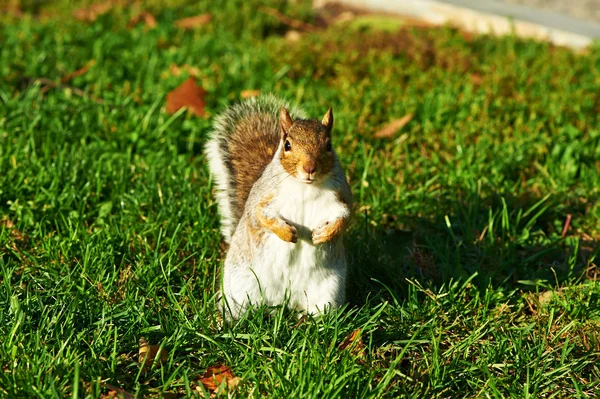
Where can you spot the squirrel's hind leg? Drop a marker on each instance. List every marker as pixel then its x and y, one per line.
pixel 324 293
pixel 240 290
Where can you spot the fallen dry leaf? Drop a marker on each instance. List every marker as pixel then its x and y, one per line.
pixel 189 95
pixel 6 222
pixel 249 93
pixel 78 72
pixel 545 297
pixel 14 233
pixel 116 392
pixel 49 84
pixel 477 79
pixel 467 36
pixel 13 9
pixel 345 16
pixel 293 35
pixel 566 226
pixel 145 17
pixel 284 19
pixel 591 272
pixel 390 129
pixel 214 376
pixel 193 22
pixel 149 353
pixel 92 12
pixel 350 339
pixel 353 343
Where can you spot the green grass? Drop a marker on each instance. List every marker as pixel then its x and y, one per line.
pixel 461 281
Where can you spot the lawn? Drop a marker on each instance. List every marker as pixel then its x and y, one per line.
pixel 473 250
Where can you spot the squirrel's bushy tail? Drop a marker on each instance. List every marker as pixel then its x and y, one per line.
pixel 242 143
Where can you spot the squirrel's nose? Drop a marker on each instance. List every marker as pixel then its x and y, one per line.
pixel 310 167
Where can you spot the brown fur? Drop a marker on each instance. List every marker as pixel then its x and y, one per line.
pixel 255 139
pixel 308 139
pixel 256 232
pixel 251 147
pixel 278 226
pixel 345 195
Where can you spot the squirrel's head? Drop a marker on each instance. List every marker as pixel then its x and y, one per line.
pixel 306 150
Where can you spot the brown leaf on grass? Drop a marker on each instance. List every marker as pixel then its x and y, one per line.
pixel 249 93
pixel 116 392
pixel 92 12
pixel 545 297
pixel 6 222
pixel 566 226
pixel 189 95
pixel 293 35
pixel 148 354
pixel 49 85
pixel 591 272
pixel 476 79
pixel 353 342
pixel 145 17
pixel 345 16
pixel 284 19
pixel 214 377
pixel 78 72
pixel 193 22
pixel 538 303
pixel 467 36
pixel 12 9
pixel 390 129
pixel 14 233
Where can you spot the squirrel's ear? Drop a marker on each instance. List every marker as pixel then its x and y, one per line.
pixel 328 120
pixel 285 122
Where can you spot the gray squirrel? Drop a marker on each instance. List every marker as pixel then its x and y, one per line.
pixel 284 202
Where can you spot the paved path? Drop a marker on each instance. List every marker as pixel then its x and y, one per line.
pixel 559 21
pixel 581 9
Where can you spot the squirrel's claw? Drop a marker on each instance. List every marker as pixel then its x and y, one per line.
pixel 294 232
pixel 287 233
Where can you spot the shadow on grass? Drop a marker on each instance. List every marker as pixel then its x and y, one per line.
pixel 506 242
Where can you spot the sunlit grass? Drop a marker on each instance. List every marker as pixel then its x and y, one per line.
pixel 462 282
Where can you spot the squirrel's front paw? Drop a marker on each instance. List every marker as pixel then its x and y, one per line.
pixel 323 233
pixel 287 232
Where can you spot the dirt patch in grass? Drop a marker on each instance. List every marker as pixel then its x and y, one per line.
pixel 337 52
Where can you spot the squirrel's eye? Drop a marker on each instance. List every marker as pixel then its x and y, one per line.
pixel 329 146
pixel 287 146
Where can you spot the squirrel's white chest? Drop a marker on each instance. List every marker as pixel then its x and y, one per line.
pixel 306 206
pixel 312 275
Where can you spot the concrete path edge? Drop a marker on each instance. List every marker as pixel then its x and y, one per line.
pixel 488 16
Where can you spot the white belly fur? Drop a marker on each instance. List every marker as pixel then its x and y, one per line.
pixel 304 268
pixel 311 276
